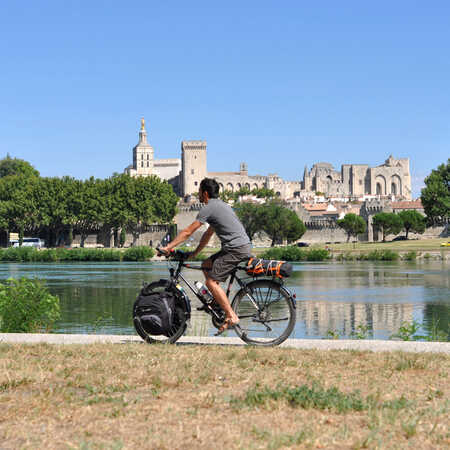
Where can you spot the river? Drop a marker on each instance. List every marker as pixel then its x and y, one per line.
pixel 333 298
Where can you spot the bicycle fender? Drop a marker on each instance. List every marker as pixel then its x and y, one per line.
pixel 291 296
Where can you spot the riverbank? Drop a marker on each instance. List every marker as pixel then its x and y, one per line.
pixel 190 396
pixel 306 344
pixel 429 249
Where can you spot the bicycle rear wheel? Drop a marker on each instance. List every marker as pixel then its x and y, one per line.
pixel 266 312
pixel 179 321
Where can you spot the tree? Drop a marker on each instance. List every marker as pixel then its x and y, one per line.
pixel 280 222
pixel 55 208
pixel 88 206
pixel 436 193
pixel 353 225
pixel 18 204
pixel 15 166
pixel 387 223
pixel 251 216
pixel 412 221
pixel 136 202
pixel 264 193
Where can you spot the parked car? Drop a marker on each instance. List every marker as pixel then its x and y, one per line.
pixel 445 244
pixel 30 242
pixel 302 244
pixel 399 238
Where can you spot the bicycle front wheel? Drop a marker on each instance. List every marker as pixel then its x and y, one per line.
pixel 266 313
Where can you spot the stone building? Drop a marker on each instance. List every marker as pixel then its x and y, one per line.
pixel 353 180
pixel 357 180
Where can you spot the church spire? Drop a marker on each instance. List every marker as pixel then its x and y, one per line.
pixel 142 133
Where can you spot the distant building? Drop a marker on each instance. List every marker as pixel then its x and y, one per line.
pixel 355 181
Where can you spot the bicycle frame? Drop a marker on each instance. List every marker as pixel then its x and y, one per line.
pixel 175 274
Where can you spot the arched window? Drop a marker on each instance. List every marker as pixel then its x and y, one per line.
pixel 148 165
pixel 379 189
pixel 230 187
pixel 247 185
pixel 394 189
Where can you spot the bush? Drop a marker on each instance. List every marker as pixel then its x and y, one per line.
pixel 26 306
pixel 381 255
pixel 410 256
pixel 19 254
pixel 138 253
pixel 30 254
pixel 200 257
pixel 294 253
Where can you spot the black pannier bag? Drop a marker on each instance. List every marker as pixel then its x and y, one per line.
pixel 156 312
pixel 269 268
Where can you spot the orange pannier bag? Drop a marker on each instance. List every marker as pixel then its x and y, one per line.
pixel 269 268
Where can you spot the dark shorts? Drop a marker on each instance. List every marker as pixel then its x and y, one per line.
pixel 226 260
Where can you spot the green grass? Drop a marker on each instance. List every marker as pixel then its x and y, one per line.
pixel 420 245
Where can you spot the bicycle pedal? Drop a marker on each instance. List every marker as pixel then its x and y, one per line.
pixel 202 308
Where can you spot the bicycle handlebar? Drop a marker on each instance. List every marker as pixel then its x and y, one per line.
pixel 177 255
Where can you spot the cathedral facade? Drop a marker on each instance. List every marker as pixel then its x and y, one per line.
pixel 390 179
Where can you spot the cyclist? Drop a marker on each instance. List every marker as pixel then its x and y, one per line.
pixel 236 246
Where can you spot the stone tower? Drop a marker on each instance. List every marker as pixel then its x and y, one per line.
pixel 193 165
pixel 142 156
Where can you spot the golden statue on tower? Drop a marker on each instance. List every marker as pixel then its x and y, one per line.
pixel 142 124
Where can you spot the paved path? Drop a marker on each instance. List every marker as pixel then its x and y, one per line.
pixel 318 344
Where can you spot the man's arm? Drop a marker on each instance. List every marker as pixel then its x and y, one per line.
pixel 183 235
pixel 203 241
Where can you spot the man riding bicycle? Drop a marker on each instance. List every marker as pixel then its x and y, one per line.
pixel 236 245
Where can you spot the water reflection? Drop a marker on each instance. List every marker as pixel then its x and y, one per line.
pixel 97 297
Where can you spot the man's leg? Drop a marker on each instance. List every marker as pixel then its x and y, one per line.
pixel 219 295
pixel 221 298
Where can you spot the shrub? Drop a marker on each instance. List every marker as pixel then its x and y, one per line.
pixel 25 254
pixel 410 256
pixel 294 253
pixel 200 257
pixel 19 254
pixel 380 255
pixel 26 306
pixel 138 253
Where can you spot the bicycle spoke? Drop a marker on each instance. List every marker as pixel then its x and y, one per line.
pixel 273 321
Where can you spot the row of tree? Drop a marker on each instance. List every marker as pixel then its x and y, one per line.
pixel 30 204
pixel 386 223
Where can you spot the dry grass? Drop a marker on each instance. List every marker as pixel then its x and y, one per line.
pixel 165 397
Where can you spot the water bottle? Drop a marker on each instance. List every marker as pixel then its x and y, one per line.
pixel 203 292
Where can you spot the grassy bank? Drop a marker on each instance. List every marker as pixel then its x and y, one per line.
pixel 141 396
pixel 30 254
pixel 420 245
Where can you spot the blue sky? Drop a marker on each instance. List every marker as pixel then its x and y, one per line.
pixel 278 84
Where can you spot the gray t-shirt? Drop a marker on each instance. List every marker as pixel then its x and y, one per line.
pixel 226 224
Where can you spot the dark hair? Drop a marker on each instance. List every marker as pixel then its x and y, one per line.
pixel 210 186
